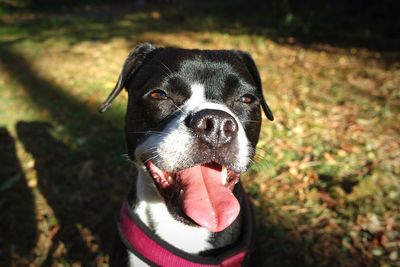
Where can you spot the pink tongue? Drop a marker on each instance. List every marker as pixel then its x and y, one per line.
pixel 206 200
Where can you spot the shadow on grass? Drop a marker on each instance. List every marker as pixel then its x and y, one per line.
pixel 18 223
pixel 66 194
pixel 82 184
pixel 307 247
pixel 364 24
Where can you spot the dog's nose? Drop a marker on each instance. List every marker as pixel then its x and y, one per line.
pixel 215 127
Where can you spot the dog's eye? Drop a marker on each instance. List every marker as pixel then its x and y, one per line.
pixel 247 99
pixel 158 95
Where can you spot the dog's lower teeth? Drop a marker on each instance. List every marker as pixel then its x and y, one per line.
pixel 224 175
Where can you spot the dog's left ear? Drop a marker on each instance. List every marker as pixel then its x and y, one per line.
pixel 132 63
pixel 251 66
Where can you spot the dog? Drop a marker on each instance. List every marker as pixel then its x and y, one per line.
pixel 192 124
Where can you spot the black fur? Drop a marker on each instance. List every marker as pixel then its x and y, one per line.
pixel 226 76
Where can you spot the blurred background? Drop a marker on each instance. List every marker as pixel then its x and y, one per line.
pixel 325 180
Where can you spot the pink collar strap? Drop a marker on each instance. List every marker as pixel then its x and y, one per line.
pixel 142 242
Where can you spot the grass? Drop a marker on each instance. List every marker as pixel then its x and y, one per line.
pixel 325 182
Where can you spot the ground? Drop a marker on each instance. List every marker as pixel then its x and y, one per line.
pixel 325 180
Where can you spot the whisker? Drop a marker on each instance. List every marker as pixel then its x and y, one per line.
pixel 125 155
pixel 149 132
pixel 267 150
pixel 170 71
pixel 181 110
pixel 167 71
pixel 154 157
pixel 251 121
pixel 150 150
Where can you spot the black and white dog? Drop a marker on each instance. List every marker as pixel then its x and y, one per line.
pixel 192 124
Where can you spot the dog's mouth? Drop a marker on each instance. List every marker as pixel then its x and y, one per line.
pixel 205 192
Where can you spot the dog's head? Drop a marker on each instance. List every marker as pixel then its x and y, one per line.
pixel 192 122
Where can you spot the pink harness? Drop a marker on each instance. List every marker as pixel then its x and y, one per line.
pixel 151 249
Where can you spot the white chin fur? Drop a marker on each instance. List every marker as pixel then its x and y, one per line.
pixel 151 206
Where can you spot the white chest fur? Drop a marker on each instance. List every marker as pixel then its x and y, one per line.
pixel 150 206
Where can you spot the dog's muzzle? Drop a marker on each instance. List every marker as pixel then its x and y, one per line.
pixel 203 152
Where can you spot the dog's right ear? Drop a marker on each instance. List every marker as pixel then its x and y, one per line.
pixel 251 66
pixel 132 63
